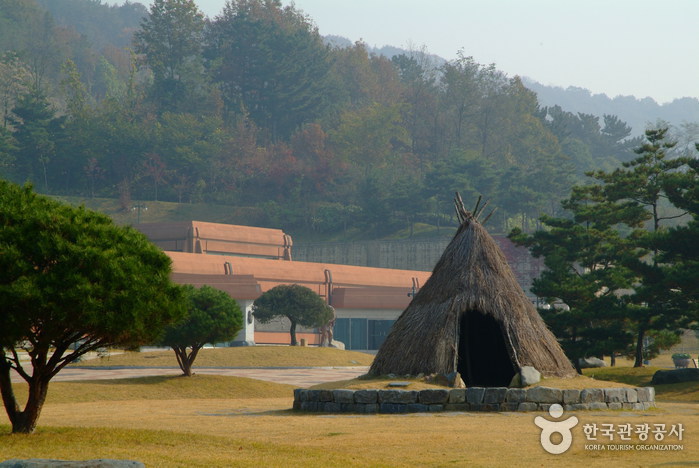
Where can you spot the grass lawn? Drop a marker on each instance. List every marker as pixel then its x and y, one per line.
pixel 641 377
pixel 212 421
pixel 187 431
pixel 248 356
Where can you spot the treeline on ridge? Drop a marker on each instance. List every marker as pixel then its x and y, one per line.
pixel 252 109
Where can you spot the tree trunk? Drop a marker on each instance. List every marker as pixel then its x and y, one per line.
pixel 183 360
pixel 292 331
pixel 23 422
pixel 613 359
pixel 639 348
pixel 8 396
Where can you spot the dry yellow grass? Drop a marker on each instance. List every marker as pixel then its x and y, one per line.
pixel 263 432
pixel 375 383
pixel 160 388
pixel 252 356
pixel 214 421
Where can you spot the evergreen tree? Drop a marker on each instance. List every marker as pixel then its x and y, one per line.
pixel 271 63
pixel 170 40
pixel 297 303
pixel 212 317
pixel 71 282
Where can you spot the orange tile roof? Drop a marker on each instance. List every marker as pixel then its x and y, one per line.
pixel 239 287
pixel 271 273
pixel 198 236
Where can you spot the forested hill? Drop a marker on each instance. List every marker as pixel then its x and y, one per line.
pixel 638 113
pixel 253 110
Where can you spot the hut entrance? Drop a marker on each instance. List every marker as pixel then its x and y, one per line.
pixel 484 360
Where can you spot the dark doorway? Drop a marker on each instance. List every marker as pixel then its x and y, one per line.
pixel 484 360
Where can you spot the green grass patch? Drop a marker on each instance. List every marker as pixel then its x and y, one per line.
pixel 158 211
pixel 642 376
pixel 248 356
pixel 160 388
pixel 633 376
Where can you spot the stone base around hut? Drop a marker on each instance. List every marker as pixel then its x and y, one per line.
pixel 472 399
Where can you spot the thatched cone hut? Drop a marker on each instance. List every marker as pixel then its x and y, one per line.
pixel 471 316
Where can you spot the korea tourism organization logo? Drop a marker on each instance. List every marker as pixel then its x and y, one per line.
pixel 557 434
pixel 549 428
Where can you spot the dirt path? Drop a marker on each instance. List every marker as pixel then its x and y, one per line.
pixel 300 377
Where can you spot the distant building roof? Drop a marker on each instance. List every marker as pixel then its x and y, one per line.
pixel 219 239
pixel 246 261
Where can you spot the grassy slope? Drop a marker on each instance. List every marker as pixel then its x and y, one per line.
pixel 255 432
pixel 158 211
pixel 252 356
pixel 223 421
pixel 160 388
pixel 641 377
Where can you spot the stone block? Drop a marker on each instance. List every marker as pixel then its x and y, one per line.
pixel 598 405
pixel 297 393
pixel 615 405
pixel 675 376
pixel 576 407
pixel 342 396
pixel 509 406
pixel 457 407
pixel 436 408
pixel 304 394
pixel 368 408
pixel 312 395
pixel 332 407
pixel 398 396
pixel 325 395
pixel 571 396
pixel 494 395
pixel 645 394
pixel 631 395
pixel 417 408
pixel 527 406
pixel 433 396
pixel 48 463
pixel 528 375
pixel 393 408
pixel 485 407
pixel 590 395
pixel 366 396
pixel 457 395
pixel 545 395
pixel 348 408
pixel 474 395
pixel 591 362
pixel 614 395
pixel 515 395
pixel 309 406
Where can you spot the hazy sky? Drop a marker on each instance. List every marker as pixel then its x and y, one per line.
pixel 617 47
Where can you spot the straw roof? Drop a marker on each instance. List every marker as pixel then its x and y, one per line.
pixel 472 275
